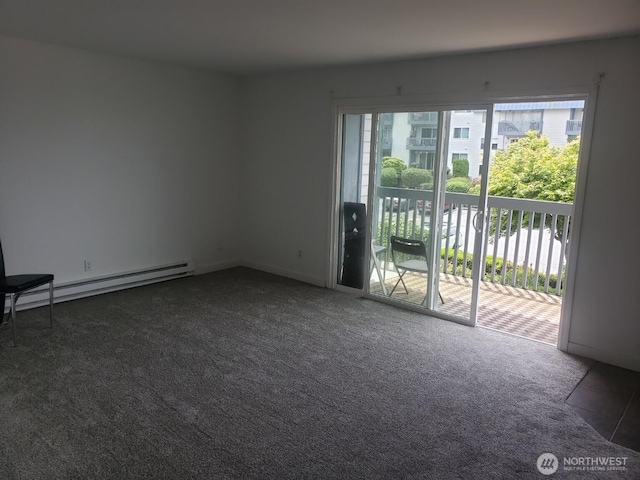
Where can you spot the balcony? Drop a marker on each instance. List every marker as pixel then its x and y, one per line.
pixel 524 262
pixel 421 143
pixel 518 128
pixel 387 119
pixel 574 127
pixel 423 118
pixel 504 308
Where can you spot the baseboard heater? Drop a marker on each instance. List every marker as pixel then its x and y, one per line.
pixel 108 283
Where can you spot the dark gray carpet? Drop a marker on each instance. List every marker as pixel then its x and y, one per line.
pixel 242 374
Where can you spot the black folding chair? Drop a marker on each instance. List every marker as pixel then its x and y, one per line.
pixel 415 259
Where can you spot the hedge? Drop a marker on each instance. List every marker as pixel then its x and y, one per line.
pixel 388 177
pixel 414 177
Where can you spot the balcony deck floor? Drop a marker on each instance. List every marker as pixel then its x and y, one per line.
pixel 508 309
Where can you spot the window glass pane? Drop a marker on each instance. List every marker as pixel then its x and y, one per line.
pixel 461 132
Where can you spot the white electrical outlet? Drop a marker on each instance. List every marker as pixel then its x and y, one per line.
pixel 87 265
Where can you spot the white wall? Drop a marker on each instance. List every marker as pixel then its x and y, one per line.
pixel 472 145
pixel 123 162
pixel 554 124
pixel 288 175
pixel 399 135
pixel 607 297
pixel 288 157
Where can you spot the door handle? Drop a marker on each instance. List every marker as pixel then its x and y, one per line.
pixel 474 222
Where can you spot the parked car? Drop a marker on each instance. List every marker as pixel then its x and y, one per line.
pixel 447 205
pixel 398 202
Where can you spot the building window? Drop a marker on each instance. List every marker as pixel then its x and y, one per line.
pixel 428 132
pixel 431 156
pixel 424 160
pixel 458 156
pixel 461 132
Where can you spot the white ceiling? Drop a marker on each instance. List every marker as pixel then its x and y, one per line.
pixel 252 36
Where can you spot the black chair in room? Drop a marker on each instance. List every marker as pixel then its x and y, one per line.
pixel 15 285
pixel 415 259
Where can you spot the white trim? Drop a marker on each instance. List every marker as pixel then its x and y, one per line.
pixel 479 233
pixel 88 287
pixel 202 269
pixel 373 168
pixel 511 334
pixel 284 272
pixel 452 101
pixel 350 290
pixel 331 280
pixel 418 309
pixel 605 356
pixel 588 123
pixel 439 182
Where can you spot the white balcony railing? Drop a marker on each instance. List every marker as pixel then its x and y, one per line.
pixel 574 127
pixel 526 246
pixel 421 143
pixel 423 118
pixel 518 128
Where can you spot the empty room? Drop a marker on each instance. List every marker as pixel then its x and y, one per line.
pixel 291 239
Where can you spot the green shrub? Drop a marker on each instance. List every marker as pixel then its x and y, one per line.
pixel 461 168
pixel 394 162
pixel 458 185
pixel 450 257
pixel 459 262
pixel 414 177
pixel 448 267
pixel 389 177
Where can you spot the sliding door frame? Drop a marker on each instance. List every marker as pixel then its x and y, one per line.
pixel 438 201
pixel 448 101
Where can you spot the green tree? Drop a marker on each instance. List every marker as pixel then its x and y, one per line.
pixel 531 168
pixel 394 162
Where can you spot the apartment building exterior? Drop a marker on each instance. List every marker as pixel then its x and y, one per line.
pixel 412 136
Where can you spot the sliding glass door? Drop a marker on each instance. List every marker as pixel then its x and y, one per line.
pixel 418 228
pixel 410 203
